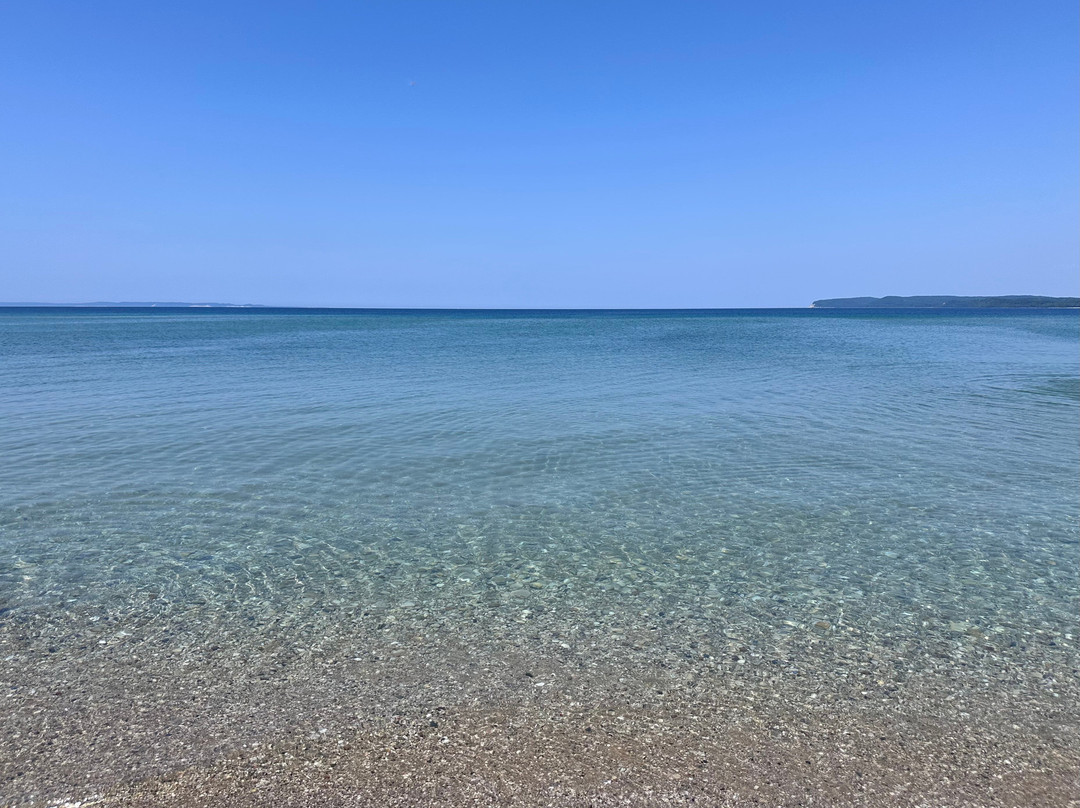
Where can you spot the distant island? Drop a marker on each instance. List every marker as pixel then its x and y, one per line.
pixel 142 305
pixel 949 302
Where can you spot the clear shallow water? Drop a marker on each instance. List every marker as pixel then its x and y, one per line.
pixel 217 478
pixel 131 440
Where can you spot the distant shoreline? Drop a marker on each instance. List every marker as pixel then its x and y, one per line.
pixel 850 303
pixel 948 302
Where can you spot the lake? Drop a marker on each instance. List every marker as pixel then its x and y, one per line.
pixel 236 539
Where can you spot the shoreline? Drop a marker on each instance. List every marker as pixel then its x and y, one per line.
pixel 621 757
pixel 399 710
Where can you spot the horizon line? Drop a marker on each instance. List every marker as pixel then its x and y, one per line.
pixel 316 307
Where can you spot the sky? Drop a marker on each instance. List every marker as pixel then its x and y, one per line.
pixel 543 154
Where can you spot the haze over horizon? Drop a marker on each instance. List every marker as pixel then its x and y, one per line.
pixel 478 155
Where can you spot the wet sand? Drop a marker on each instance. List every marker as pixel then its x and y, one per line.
pixel 618 756
pixel 532 699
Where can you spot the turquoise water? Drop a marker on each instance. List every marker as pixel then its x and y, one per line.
pixel 130 439
pixel 170 476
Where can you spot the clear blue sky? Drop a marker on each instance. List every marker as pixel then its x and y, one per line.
pixel 578 154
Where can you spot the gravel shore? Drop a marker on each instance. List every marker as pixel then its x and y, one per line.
pixel 544 702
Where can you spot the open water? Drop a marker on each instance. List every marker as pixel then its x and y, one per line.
pixel 190 479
